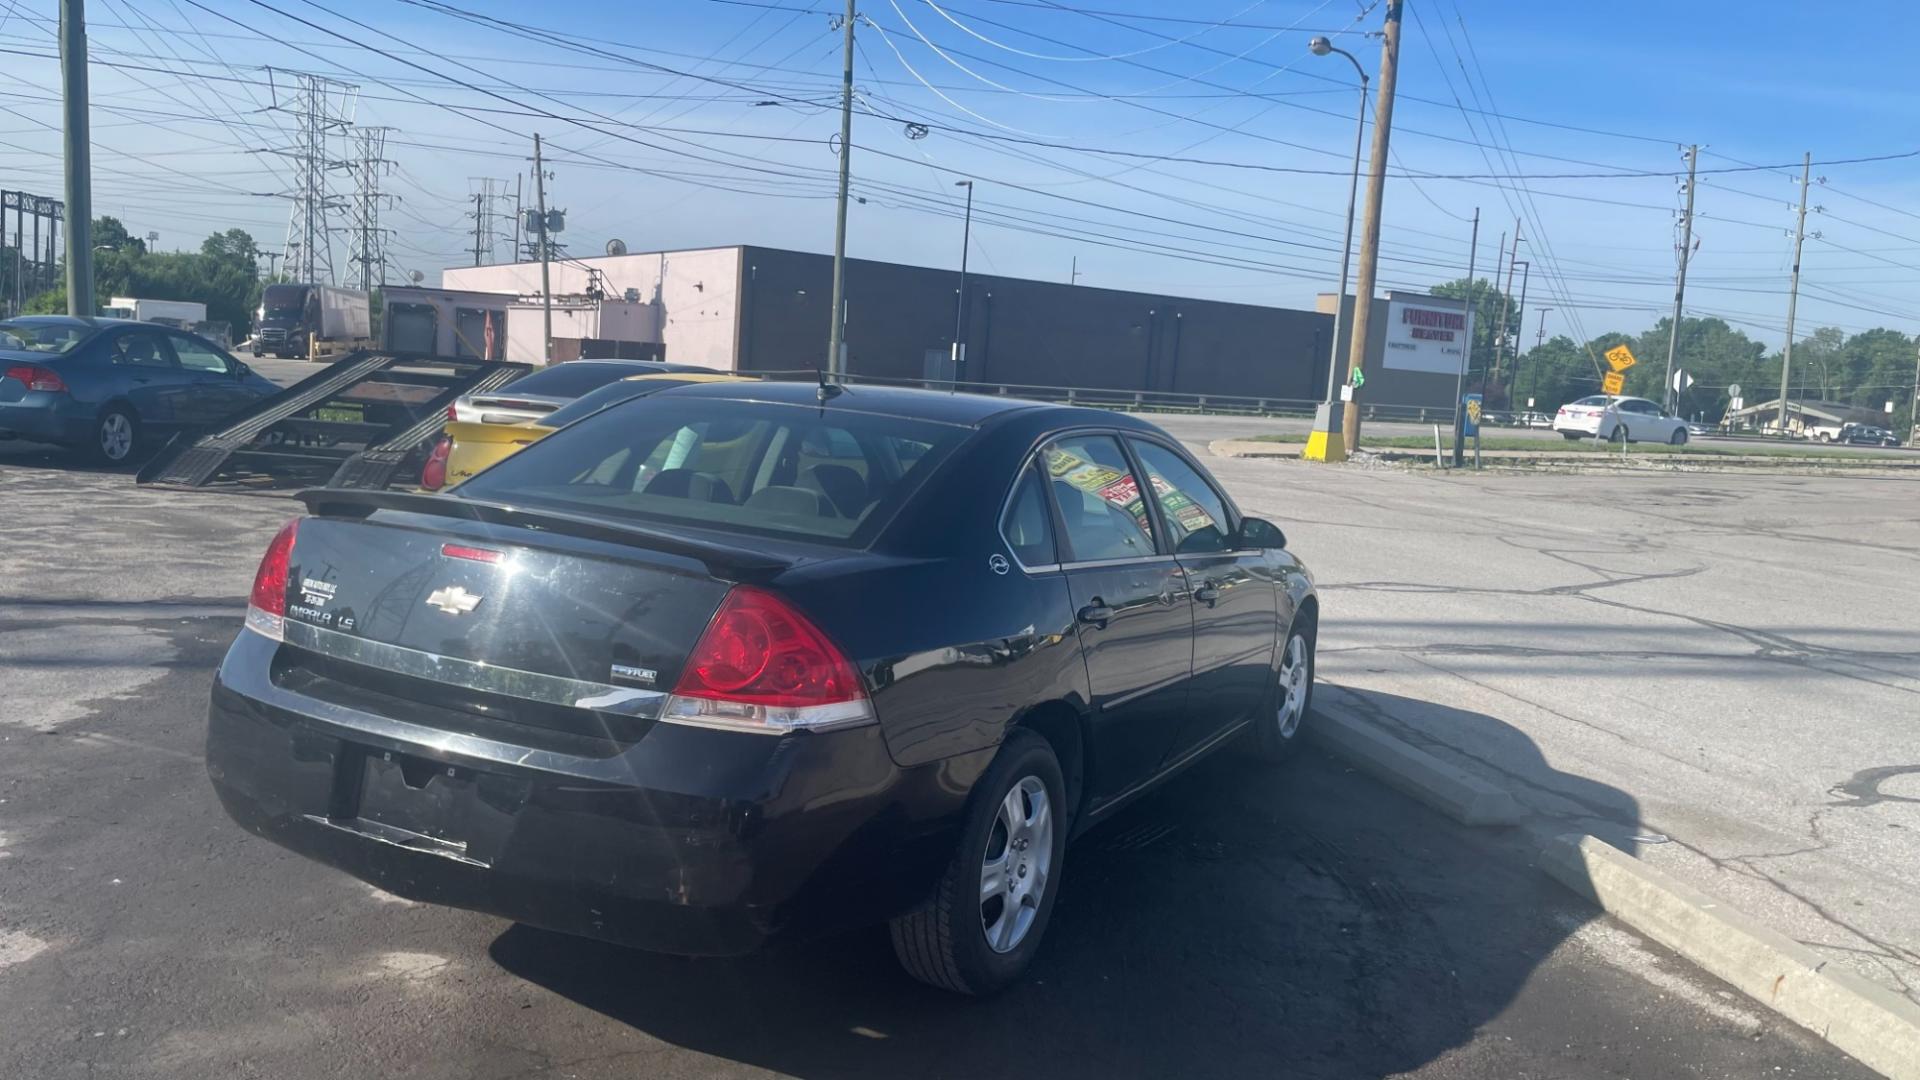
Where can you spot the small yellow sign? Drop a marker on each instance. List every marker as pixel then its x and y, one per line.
pixel 1621 358
pixel 1614 382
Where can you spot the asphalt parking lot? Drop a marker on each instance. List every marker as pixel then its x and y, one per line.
pixel 1306 922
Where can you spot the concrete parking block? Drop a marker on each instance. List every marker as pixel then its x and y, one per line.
pixel 1459 795
pixel 1878 1027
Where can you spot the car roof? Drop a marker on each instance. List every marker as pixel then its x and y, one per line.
pixel 687 377
pixel 970 410
pixel 69 320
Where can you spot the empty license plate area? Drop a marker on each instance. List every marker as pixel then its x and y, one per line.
pixel 433 807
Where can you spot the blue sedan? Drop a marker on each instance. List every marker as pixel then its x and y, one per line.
pixel 111 387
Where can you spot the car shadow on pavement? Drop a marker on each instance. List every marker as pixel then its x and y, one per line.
pixel 1298 921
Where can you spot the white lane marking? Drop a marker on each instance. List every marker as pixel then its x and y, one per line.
pixel 1630 954
pixel 18 947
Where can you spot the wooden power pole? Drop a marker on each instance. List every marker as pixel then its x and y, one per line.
pixel 1370 230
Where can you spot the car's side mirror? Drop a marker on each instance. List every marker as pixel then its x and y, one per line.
pixel 1261 534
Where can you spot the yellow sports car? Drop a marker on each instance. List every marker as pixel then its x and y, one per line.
pixel 468 446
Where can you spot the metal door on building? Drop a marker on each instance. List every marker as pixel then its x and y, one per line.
pixel 937 369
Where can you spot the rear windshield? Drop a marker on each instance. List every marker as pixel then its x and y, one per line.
pixel 571 379
pixel 52 337
pixel 590 403
pixel 750 467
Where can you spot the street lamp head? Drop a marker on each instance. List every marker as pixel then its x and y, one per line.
pixel 963 183
pixel 1320 46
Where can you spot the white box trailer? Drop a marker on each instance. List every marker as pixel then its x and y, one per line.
pixel 180 314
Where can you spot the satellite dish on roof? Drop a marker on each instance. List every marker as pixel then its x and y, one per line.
pixel 616 247
pixel 417 277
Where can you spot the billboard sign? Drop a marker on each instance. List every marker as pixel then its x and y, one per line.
pixel 1425 336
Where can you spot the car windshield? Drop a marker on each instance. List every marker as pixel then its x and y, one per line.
pixel 748 467
pixel 49 337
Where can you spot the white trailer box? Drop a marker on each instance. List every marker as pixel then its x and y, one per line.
pixel 577 319
pixel 344 314
pixel 184 314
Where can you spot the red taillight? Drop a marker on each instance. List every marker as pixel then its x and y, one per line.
pixel 461 551
pixel 761 665
pixel 453 412
pixel 38 378
pixel 433 475
pixel 267 605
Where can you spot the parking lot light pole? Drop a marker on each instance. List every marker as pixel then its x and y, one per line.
pixel 1326 443
pixel 960 304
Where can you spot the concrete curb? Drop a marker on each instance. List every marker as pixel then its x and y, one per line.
pixel 1878 1027
pixel 1459 795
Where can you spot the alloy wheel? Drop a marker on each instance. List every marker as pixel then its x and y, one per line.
pixel 1014 871
pixel 116 436
pixel 1294 673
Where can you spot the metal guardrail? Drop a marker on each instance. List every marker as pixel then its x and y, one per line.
pixel 1133 400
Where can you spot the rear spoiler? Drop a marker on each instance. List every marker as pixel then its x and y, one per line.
pixel 724 561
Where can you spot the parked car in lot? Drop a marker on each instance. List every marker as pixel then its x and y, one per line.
pixel 113 388
pixel 742 661
pixel 1696 429
pixel 1867 435
pixel 1612 417
pixel 1532 419
pixel 468 446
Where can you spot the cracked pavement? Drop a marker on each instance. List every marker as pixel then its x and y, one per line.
pixel 1736 656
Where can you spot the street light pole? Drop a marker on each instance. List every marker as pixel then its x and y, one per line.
pixel 1326 442
pixel 836 323
pixel 960 304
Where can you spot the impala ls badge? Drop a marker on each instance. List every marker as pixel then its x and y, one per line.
pixel 453 600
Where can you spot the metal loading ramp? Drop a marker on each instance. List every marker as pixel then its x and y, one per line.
pixel 360 422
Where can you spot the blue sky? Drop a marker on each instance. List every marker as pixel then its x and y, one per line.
pixel 706 122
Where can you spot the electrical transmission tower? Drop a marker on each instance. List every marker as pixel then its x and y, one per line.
pixel 489 202
pixel 323 108
pixel 369 241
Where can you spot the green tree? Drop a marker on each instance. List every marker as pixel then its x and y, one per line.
pixel 1486 301
pixel 223 274
pixel 1710 350
pixel 108 232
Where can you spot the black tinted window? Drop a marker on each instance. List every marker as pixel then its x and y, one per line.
pixel 1099 499
pixel 738 466
pixel 571 379
pixel 141 350
pixel 1193 512
pixel 1028 525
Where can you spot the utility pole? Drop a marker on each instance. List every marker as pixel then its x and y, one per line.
pixel 479 223
pixel 1793 290
pixel 1680 287
pixel 1073 274
pixel 1460 378
pixel 1370 233
pixel 540 237
pixel 1519 320
pixel 73 76
pixel 1913 414
pixel 1500 328
pixel 1533 375
pixel 835 326
pixel 518 214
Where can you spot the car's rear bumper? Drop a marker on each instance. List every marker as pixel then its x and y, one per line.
pixel 691 841
pixel 45 417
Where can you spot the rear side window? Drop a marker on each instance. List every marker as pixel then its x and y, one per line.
pixel 571 379
pixel 141 350
pixel 1027 526
pixel 1099 499
pixel 592 402
pixel 1595 402
pixel 734 466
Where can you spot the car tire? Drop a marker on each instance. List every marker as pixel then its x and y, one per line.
pixel 116 436
pixel 1017 817
pixel 1619 434
pixel 1573 436
pixel 1679 437
pixel 1277 732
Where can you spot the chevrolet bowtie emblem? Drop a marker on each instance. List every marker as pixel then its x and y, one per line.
pixel 453 600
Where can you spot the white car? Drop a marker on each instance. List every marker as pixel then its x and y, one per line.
pixel 1611 417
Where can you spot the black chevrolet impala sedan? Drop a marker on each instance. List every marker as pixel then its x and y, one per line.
pixel 749 660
